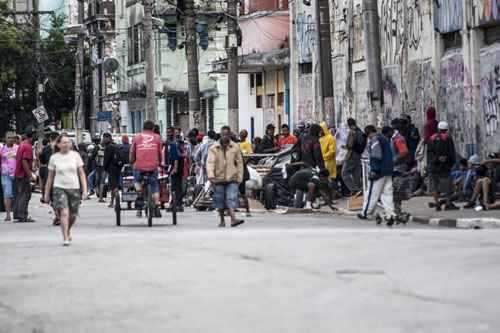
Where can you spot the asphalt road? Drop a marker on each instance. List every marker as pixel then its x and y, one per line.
pixel 276 273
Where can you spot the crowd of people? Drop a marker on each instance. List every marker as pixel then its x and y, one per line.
pixel 400 163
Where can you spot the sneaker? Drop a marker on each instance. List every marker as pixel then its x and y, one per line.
pixel 362 217
pixel 222 225
pixel 378 219
pixel 389 221
pixel 308 205
pixel 451 206
pixel 470 205
pixel 237 223
pixel 157 212
pixel 66 243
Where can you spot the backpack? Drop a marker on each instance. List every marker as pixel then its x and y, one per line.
pixel 123 155
pixel 359 142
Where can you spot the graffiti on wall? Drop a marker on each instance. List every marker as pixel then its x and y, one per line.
pixel 362 108
pixel 485 11
pixel 455 100
pixel 401 24
pixel 449 16
pixel 490 99
pixel 305 108
pixel 391 81
pixel 306 37
pixel 419 89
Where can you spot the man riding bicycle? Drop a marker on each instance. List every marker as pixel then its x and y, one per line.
pixel 145 155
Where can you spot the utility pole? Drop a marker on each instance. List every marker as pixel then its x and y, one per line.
pixel 373 60
pixel 37 49
pixel 325 59
pixel 79 112
pixel 192 64
pixel 232 67
pixel 150 65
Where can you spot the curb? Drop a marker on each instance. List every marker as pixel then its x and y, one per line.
pixel 471 223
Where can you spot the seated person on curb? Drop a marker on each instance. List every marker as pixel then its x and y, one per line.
pixel 484 194
pixel 306 181
pixel 145 155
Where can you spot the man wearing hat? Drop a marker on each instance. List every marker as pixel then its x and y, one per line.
pixel 23 175
pixel 442 158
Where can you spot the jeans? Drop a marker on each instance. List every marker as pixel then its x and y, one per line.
pixel 90 180
pixel 352 173
pixel 22 198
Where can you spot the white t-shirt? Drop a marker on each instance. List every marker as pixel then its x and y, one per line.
pixel 66 167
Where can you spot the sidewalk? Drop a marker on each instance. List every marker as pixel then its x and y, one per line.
pixel 463 218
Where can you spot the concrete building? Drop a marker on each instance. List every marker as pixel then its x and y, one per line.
pixel 170 66
pixel 444 53
pixel 264 92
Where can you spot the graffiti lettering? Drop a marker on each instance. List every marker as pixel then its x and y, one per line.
pixel 401 24
pixel 305 37
pixel 485 11
pixel 449 15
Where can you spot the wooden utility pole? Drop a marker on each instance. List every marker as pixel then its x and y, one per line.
pixel 373 60
pixel 150 65
pixel 195 118
pixel 232 67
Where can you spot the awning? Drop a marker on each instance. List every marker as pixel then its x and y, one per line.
pixel 256 62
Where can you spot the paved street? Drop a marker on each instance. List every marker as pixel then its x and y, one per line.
pixel 277 273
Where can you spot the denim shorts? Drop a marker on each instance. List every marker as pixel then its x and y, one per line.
pixel 229 192
pixel 152 179
pixel 8 186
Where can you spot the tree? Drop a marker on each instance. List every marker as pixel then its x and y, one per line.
pixel 16 72
pixel 58 70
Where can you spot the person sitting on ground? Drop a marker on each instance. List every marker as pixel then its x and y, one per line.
pixel 307 181
pixel 484 194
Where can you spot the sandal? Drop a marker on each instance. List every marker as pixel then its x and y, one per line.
pixel 7 219
pixel 237 223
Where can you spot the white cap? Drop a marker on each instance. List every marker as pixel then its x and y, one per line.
pixel 474 160
pixel 443 125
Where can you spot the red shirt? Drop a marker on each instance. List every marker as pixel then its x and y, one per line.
pixel 285 142
pixel 25 152
pixel 147 150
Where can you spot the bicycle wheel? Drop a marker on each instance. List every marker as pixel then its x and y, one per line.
pixel 118 210
pixel 150 208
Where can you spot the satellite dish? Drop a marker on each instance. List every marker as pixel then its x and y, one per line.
pixel 110 65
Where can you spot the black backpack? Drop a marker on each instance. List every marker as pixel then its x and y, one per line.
pixel 359 142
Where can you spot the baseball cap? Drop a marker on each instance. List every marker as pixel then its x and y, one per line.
pixel 474 160
pixel 443 126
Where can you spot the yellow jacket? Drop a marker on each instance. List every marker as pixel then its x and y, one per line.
pixel 246 148
pixel 329 150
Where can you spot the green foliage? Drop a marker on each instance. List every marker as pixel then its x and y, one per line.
pixel 19 70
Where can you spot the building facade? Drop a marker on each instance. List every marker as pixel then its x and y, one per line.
pixel 444 53
pixel 171 83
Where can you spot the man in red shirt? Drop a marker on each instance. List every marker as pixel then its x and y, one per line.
pixel 286 139
pixel 23 175
pixel 145 155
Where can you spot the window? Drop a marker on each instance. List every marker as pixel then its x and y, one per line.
pixel 211 117
pixel 258 79
pixel 305 68
pixel 281 99
pixel 452 40
pixel 135 48
pixel 136 44
pixel 252 81
pixel 271 101
pixel 258 102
